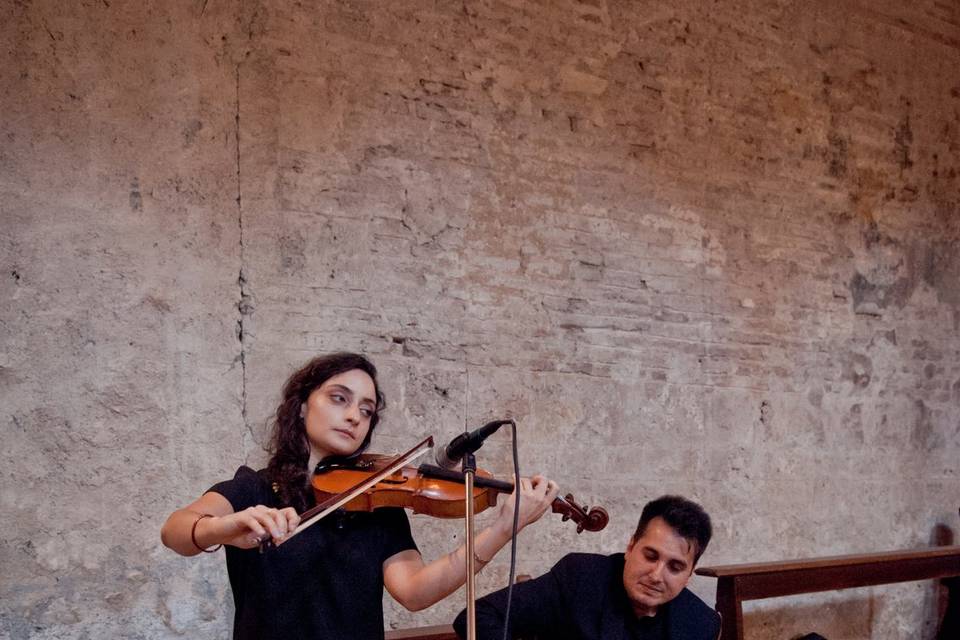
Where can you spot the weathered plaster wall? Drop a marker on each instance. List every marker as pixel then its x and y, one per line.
pixel 707 248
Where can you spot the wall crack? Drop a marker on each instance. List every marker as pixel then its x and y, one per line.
pixel 245 303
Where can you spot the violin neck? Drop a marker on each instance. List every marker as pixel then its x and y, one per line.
pixel 433 471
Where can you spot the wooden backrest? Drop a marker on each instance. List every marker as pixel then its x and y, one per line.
pixel 753 581
pixel 772 579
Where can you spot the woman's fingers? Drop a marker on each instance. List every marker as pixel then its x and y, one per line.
pixel 292 518
pixel 543 488
pixel 278 523
pixel 552 490
pixel 251 519
pixel 540 484
pixel 264 522
pixel 537 493
pixel 536 496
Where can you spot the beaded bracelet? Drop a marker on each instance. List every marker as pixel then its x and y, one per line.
pixel 193 534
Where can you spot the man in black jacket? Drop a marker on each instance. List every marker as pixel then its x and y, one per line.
pixel 637 595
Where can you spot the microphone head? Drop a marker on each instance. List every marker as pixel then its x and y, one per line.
pixel 449 456
pixel 443 460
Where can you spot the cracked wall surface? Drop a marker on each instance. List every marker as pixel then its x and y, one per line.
pixel 706 249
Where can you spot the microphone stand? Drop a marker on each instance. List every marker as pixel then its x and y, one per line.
pixel 469 468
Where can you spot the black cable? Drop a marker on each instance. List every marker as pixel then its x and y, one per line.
pixel 516 524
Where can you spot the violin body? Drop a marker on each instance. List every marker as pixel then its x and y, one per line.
pixel 406 488
pixel 373 481
pixel 430 490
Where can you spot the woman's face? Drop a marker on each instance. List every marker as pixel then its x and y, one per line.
pixel 337 414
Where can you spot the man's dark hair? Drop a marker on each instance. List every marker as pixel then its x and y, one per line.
pixel 684 516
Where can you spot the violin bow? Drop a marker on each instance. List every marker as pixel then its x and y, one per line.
pixel 320 511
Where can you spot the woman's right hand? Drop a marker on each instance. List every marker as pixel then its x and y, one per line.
pixel 246 529
pixel 210 520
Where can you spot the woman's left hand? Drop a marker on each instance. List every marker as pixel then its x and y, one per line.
pixel 536 495
pixel 417 586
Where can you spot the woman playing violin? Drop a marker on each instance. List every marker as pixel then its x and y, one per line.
pixel 328 581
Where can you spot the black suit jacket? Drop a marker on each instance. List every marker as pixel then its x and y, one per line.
pixel 582 598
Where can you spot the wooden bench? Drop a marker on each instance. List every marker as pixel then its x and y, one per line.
pixel 438 632
pixel 739 582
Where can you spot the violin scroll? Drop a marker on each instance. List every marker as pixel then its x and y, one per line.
pixel 593 519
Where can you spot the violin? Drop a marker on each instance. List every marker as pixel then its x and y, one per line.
pixel 373 481
pixel 434 491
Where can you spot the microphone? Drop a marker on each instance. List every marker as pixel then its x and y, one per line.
pixel 449 456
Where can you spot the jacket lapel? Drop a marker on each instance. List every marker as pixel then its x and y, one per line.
pixel 612 620
pixel 612 627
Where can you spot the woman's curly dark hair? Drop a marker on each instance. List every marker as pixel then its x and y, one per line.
pixel 290 449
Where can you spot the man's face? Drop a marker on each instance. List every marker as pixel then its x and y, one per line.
pixel 658 566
